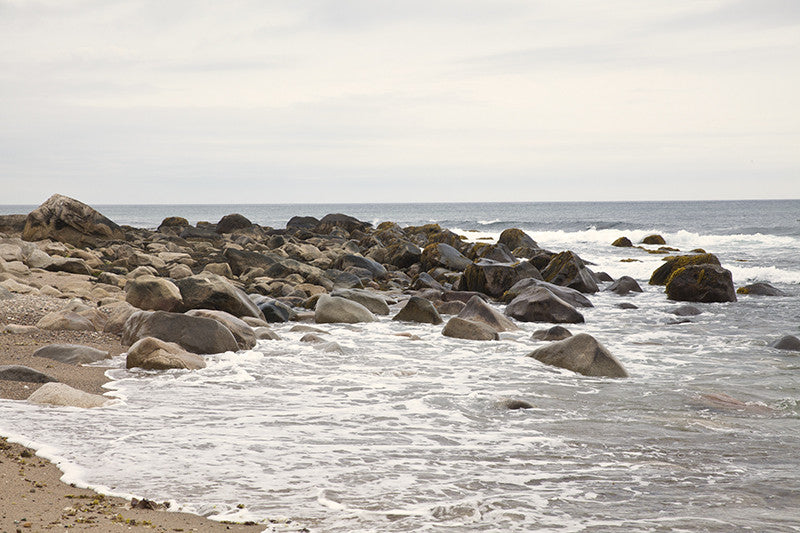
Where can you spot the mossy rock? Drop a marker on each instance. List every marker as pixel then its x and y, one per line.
pixel 622 242
pixel 568 270
pixel 701 283
pixel 174 222
pixel 673 263
pixel 516 238
pixel 654 239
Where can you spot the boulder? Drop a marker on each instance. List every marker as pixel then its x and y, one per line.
pixel 686 310
pixel 477 310
pixel 425 281
pixel 338 220
pixel 24 373
pixel 312 338
pixel 494 279
pixel 117 313
pixel 403 254
pixel 60 394
pixel 445 256
pixel 209 291
pixel 540 305
pixel 244 335
pixel 556 333
pixel 263 333
pixel 153 294
pixel 622 242
pixel 220 269
pixel 760 289
pixel 516 238
pixel 498 253
pixel 172 225
pixel 513 404
pixel 332 309
pixel 787 342
pixel 344 280
pixel 673 263
pixel 375 303
pixel 701 283
pixel 571 296
pixel 274 311
pixel 195 334
pixel 654 239
pixel 70 265
pixel 242 260
pixel 450 308
pixel 12 223
pixel 568 270
pixel 418 310
pixel 305 223
pixel 580 353
pixel 65 219
pixel 73 354
pixel 150 353
pixel 461 328
pixel 624 285
pixel 65 320
pixel 627 305
pixel 350 261
pixel 230 223
pixel 180 271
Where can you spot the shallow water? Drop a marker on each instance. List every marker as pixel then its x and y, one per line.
pixel 399 435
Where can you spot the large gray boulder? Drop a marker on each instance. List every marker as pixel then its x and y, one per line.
pixel 515 238
pixel 701 283
pixel 233 222
pixel 571 296
pixel 242 332
pixel 210 291
pixel 760 289
pixel 243 260
pixel 118 313
pixel 581 353
pixel 195 334
pixel 73 354
pixel 569 270
pixel 332 309
pixel 347 261
pixel 460 328
pixel 368 299
pixel 540 305
pixel 65 219
pixel 71 265
pixel 493 278
pixel 418 310
pixel 153 294
pixel 24 373
pixel 150 353
pixel 787 342
pixel 624 285
pixel 61 394
pixel 477 310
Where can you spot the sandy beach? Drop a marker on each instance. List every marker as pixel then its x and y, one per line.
pixel 32 497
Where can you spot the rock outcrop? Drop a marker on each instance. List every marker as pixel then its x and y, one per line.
pixel 67 220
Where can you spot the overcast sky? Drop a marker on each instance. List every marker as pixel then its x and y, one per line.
pixel 415 100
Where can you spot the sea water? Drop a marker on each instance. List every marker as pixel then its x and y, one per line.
pixel 395 434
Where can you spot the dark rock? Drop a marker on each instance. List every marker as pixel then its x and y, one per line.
pixel 425 281
pixel 12 223
pixel 241 261
pixel 568 270
pixel 195 334
pixel 338 220
pixel 244 335
pixel 701 283
pixel 419 310
pixel 403 254
pixel 513 404
pixel 760 289
pixel 274 311
pixel 460 296
pixel 306 223
pixel 478 310
pixel 686 310
pixel 209 291
pixel 24 373
pixel 461 328
pixel 72 265
pixel 673 263
pixel 73 354
pixel 230 223
pixel 172 225
pixel 624 285
pixel 556 333
pixel 582 354
pixel 622 242
pixel 627 305
pixel 445 256
pixel 498 253
pixel 344 280
pixel 67 220
pixel 450 308
pixel 654 239
pixel 603 276
pixel 787 342
pixel 199 233
pixel 494 278
pixel 516 238
pixel 571 296
pixel 540 305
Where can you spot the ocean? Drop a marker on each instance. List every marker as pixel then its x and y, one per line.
pixel 408 435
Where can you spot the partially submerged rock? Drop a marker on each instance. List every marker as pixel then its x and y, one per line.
pixel 418 310
pixel 556 333
pixel 673 263
pixel 582 354
pixel 787 342
pixel 540 305
pixel 195 334
pixel 701 283
pixel 624 285
pixel 60 394
pixel 332 309
pixel 493 278
pixel 242 332
pixel 760 289
pixel 150 353
pixel 461 328
pixel 478 310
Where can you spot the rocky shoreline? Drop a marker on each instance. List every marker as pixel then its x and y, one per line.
pixel 77 288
